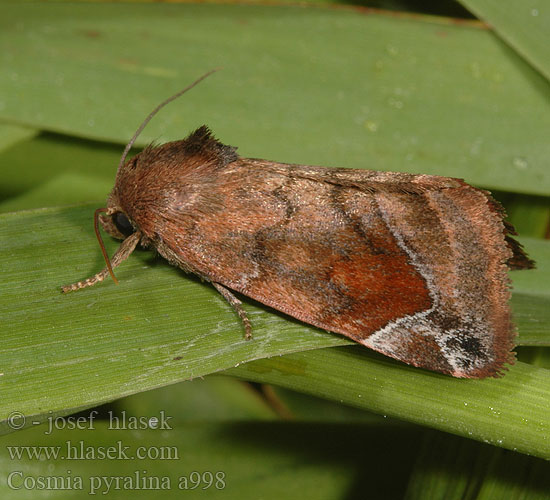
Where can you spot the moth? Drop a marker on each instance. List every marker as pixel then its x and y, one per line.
pixel 412 266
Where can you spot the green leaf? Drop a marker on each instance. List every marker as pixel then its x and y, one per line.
pixel 52 170
pixel 512 412
pixel 523 25
pixel 531 294
pixel 303 85
pixel 211 399
pixel 57 192
pixel 530 215
pixel 456 468
pixel 12 134
pixel 303 407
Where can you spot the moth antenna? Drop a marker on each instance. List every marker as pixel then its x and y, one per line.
pixel 154 112
pixel 98 235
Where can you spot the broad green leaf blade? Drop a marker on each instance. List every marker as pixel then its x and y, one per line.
pixel 512 412
pixel 531 296
pixel 159 326
pixel 525 26
pixel 298 406
pixel 535 282
pixel 210 399
pixel 531 313
pixel 12 134
pixel 530 215
pixel 66 189
pixel 52 170
pixel 366 91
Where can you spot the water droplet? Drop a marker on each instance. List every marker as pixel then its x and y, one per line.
pixel 534 12
pixel 91 122
pixel 395 103
pixel 475 148
pixel 475 68
pixel 392 50
pixel 520 162
pixel 371 126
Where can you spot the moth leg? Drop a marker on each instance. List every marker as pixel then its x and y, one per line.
pixel 124 250
pixel 237 305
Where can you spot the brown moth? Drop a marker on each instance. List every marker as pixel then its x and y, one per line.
pixel 412 266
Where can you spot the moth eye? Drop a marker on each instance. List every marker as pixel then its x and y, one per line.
pixel 133 162
pixel 123 224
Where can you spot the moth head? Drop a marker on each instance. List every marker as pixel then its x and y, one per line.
pixel 117 224
pixel 113 219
